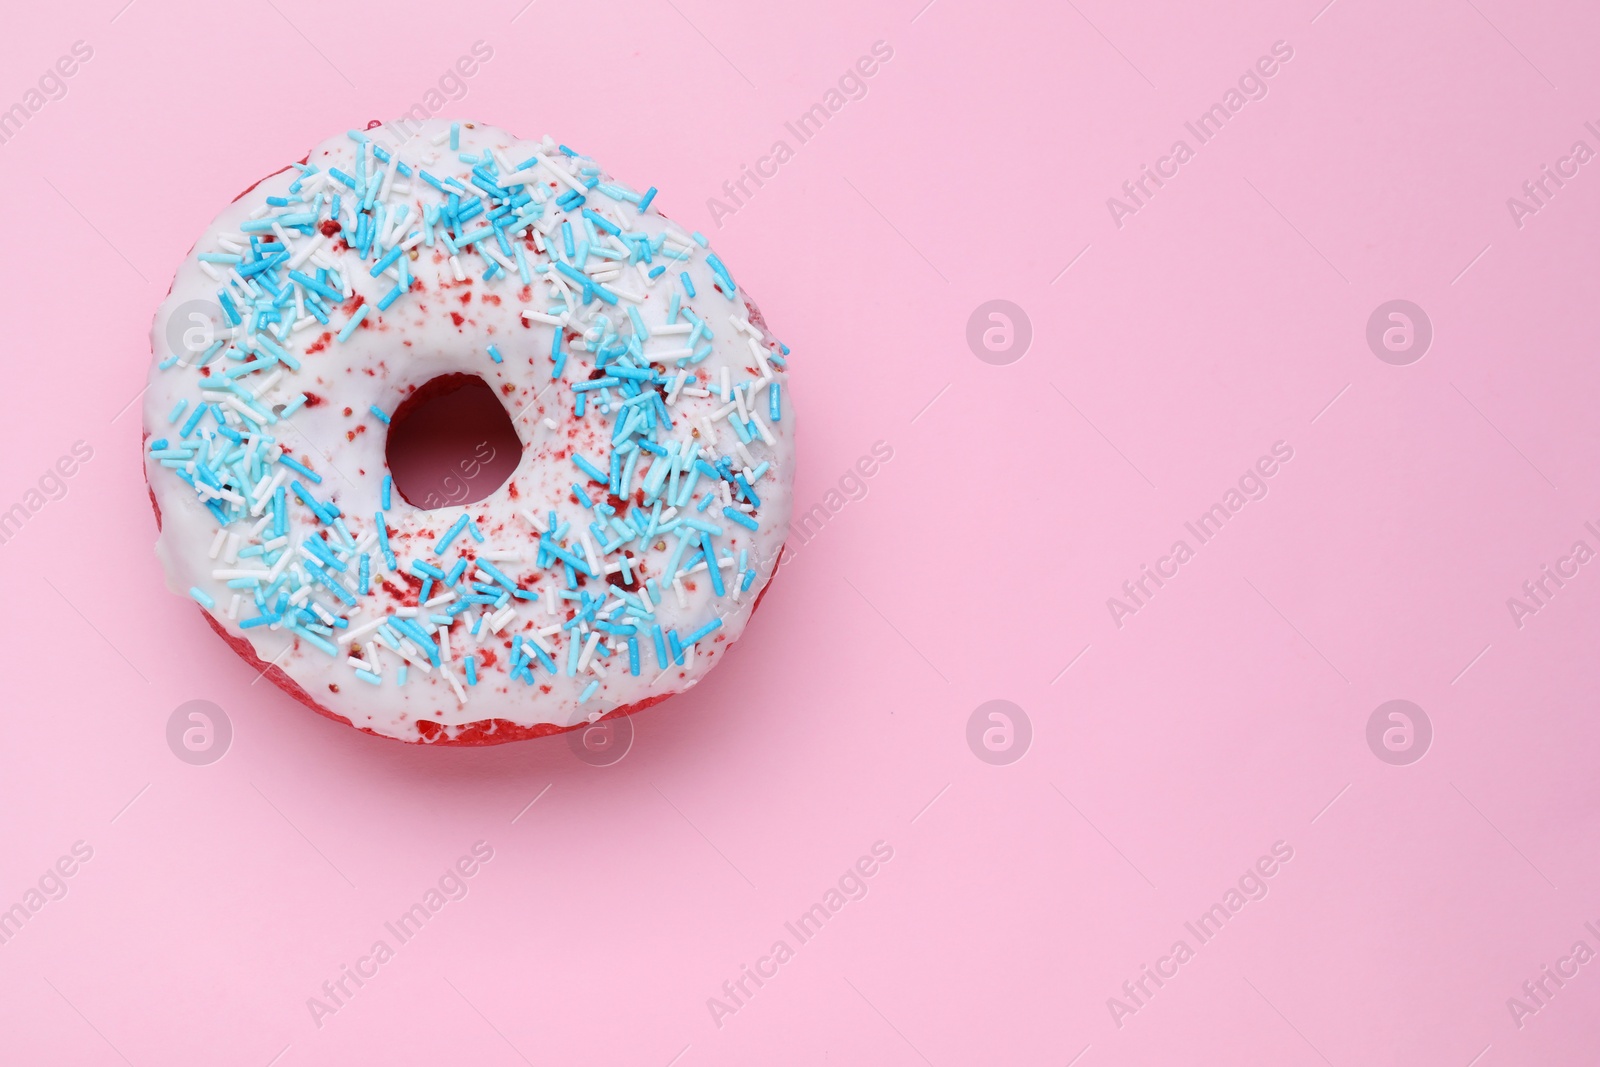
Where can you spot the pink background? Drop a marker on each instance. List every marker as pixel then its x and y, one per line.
pixel 1228 714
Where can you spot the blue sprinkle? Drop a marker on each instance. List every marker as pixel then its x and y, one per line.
pixel 590 469
pixel 704 631
pixel 202 598
pixel 377 413
pixel 661 644
pixel 494 353
pixel 589 690
pixel 388 486
pixel 355 320
pixel 300 468
pixel 192 421
pixel 741 518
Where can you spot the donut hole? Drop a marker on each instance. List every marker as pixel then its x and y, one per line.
pixel 451 443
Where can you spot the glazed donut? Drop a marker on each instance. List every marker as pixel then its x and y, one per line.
pixel 648 507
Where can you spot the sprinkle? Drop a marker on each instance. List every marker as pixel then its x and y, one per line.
pixel 300 468
pixel 494 353
pixel 356 320
pixel 378 414
pixel 202 598
pixel 388 486
pixel 705 631
pixel 741 518
pixel 589 468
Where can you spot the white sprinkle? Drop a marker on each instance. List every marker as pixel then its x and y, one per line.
pixel 223 574
pixel 305 252
pixel 561 173
pixel 588 651
pixel 461 694
pixel 360 631
pixel 588 551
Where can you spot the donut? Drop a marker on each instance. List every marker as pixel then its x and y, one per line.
pixel 335 300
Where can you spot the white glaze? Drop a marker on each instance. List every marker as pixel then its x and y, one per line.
pixel 408 344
